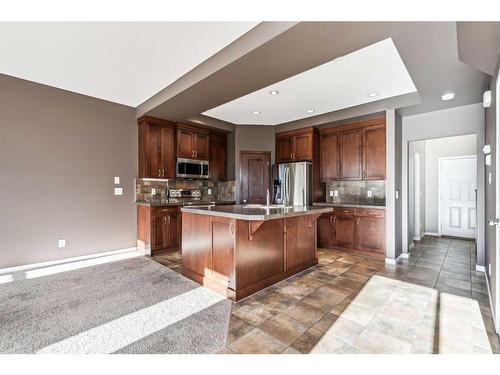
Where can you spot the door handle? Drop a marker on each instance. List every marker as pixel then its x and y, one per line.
pixel 494 222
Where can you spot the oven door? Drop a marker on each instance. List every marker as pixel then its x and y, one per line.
pixel 188 168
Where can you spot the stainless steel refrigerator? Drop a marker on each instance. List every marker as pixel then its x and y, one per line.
pixel 292 184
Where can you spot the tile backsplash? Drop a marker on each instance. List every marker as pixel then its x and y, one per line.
pixel 369 192
pixel 156 191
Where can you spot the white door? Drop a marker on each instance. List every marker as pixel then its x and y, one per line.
pixel 458 196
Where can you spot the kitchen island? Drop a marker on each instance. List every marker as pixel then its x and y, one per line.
pixel 239 250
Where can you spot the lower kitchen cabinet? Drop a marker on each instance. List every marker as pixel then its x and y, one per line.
pixel 357 230
pixel 158 229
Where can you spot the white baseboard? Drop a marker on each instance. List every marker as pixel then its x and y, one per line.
pixel 480 268
pixel 393 261
pixel 405 255
pixel 412 245
pixel 433 234
pixel 497 329
pixel 30 271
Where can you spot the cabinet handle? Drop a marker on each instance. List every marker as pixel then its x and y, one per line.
pixel 358 221
pixel 162 172
pixel 231 228
pixel 168 219
pixel 192 153
pixel 164 220
pixel 291 156
pixel 331 219
pixel 159 173
pixel 195 154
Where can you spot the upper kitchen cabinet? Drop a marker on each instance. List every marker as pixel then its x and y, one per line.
pixel 156 148
pixel 192 142
pixel 353 152
pixel 329 155
pixel 374 152
pixel 217 148
pixel 296 145
pixel 350 142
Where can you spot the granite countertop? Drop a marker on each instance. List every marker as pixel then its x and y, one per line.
pixel 245 213
pixel 167 204
pixel 380 206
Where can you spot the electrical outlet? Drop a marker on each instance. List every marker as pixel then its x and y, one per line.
pixel 117 180
pixel 153 191
pixel 369 193
pixel 489 178
pixel 61 242
pixel 336 193
pixel 331 193
pixel 119 191
pixel 209 191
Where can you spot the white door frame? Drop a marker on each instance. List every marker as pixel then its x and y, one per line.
pixel 416 199
pixel 496 302
pixel 440 161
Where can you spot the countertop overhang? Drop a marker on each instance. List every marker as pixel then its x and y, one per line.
pixel 353 205
pixel 240 212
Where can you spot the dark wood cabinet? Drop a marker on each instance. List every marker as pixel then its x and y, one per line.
pixel 345 229
pixel 370 234
pixel 158 228
pixel 284 149
pixel 374 153
pixel 353 152
pixel 295 145
pixel 350 144
pixel 156 148
pixel 329 156
pixel 192 142
pixel 326 230
pixel 218 150
pixel 357 230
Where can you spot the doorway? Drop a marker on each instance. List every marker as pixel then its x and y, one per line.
pixel 457 192
pixel 255 176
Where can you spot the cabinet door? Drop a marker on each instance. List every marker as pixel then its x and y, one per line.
pixel 153 158
pixel 345 231
pixel 173 223
pixel 329 156
pixel 167 152
pixel 185 144
pixel 374 153
pixel 158 232
pixel 217 151
pixel 284 149
pixel 351 154
pixel 326 230
pixel 201 146
pixel 302 147
pixel 370 234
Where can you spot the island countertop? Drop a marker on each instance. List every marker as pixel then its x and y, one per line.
pixel 240 212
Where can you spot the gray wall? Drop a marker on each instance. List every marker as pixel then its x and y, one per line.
pixel 463 145
pixel 413 148
pixel 252 138
pixel 491 252
pixel 468 119
pixel 59 152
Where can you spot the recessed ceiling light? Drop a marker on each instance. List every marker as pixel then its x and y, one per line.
pixel 310 111
pixel 373 94
pixel 274 92
pixel 448 96
pixel 256 112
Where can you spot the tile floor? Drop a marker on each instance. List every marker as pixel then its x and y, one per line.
pixel 434 302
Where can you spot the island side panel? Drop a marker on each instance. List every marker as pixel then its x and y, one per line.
pixel 223 251
pixel 196 246
pixel 259 254
pixel 300 240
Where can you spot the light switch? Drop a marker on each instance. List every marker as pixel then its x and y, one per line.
pixel 209 192
pixel 117 180
pixel 119 191
pixel 489 178
pixel 61 242
pixel 487 159
pixel 397 194
pixel 331 193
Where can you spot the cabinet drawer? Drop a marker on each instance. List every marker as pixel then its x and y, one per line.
pixel 344 211
pixel 370 212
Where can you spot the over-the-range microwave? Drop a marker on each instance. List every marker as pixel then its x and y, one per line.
pixel 191 168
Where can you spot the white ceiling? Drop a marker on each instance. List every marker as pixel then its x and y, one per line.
pixel 338 84
pixel 126 63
